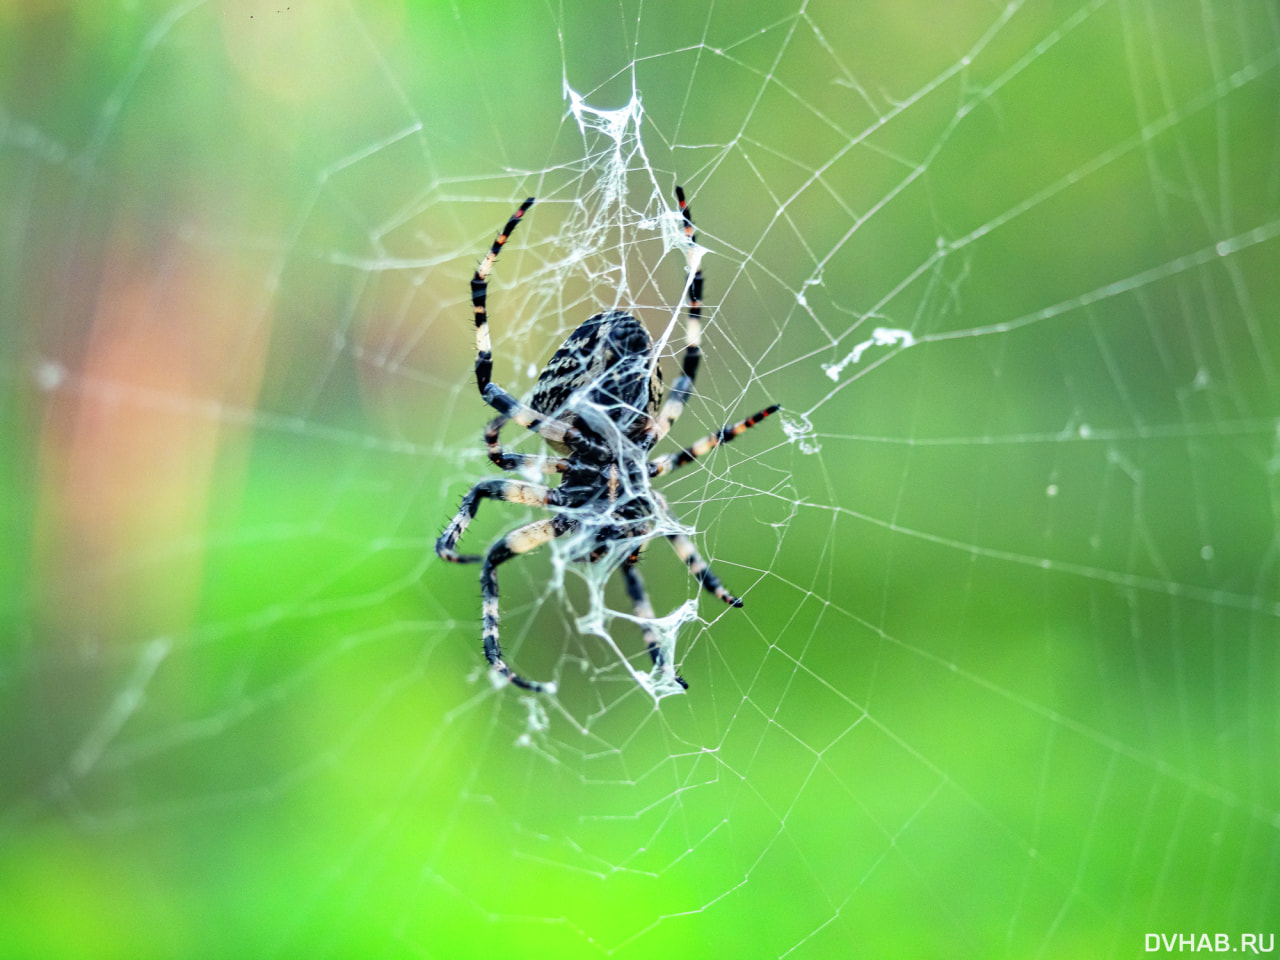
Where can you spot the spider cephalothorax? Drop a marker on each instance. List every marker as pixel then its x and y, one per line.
pixel 596 404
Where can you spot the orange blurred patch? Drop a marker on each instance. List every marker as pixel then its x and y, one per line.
pixel 135 436
pixel 18 10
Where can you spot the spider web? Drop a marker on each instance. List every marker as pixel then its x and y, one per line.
pixel 1005 679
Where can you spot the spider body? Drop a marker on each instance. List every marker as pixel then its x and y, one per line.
pixel 596 403
pixel 608 364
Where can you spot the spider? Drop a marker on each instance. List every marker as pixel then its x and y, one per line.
pixel 597 405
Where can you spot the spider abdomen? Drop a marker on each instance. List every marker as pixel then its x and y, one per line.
pixel 608 363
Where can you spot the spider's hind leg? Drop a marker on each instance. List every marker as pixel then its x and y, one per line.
pixel 508 407
pixel 683 387
pixel 506 460
pixel 674 461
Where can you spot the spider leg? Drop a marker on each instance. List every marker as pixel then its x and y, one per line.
pixel 479 295
pixel 644 610
pixel 549 428
pixel 508 406
pixel 518 541
pixel 507 460
pixel 496 488
pixel 687 552
pixel 683 387
pixel 674 461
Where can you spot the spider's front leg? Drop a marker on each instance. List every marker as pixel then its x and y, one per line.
pixel 687 552
pixel 644 610
pixel 497 488
pixel 698 567
pixel 518 541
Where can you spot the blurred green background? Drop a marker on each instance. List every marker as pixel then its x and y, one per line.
pixel 1005 683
